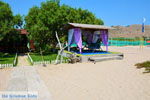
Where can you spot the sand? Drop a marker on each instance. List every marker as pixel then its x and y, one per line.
pixel 23 60
pixel 4 78
pixel 26 79
pixel 5 73
pixel 107 80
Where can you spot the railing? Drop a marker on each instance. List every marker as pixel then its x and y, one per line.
pixel 30 59
pixel 6 65
pixel 44 62
pixel 48 62
pixel 16 60
pixel 127 43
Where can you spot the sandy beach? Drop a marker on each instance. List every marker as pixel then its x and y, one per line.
pixel 106 80
pixel 105 56
pixel 4 78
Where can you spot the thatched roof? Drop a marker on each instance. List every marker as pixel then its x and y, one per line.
pixel 89 26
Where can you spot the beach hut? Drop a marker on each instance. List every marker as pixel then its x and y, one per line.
pixel 90 33
pixel 85 37
pixel 18 45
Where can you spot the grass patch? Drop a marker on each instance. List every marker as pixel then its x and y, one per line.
pixel 145 65
pixel 46 57
pixel 6 58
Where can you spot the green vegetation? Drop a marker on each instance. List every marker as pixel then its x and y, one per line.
pixel 6 18
pixel 43 21
pixel 8 23
pixel 6 58
pixel 46 57
pixel 145 65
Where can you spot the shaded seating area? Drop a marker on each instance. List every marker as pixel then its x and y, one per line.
pixel 94 46
pixel 87 37
pixel 85 42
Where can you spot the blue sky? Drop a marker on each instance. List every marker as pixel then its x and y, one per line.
pixel 112 12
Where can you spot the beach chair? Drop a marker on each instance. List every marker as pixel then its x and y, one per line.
pixel 94 46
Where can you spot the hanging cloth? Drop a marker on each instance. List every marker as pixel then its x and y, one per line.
pixel 96 36
pixel 104 37
pixel 70 38
pixel 89 37
pixel 78 38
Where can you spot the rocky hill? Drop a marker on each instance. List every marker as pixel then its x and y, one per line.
pixel 129 31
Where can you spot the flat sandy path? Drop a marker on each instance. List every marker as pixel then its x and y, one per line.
pixel 27 79
pixel 107 80
pixel 23 60
pixel 4 78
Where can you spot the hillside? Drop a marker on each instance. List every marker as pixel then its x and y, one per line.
pixel 129 31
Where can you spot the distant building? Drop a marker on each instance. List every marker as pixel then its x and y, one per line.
pixel 20 46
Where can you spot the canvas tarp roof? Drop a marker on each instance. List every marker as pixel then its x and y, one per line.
pixel 89 26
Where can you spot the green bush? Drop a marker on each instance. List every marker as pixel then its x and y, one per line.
pixel 145 65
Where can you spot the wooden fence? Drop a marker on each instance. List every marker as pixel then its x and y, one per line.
pixel 44 62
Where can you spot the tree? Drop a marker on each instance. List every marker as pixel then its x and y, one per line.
pixel 6 18
pixel 8 24
pixel 43 21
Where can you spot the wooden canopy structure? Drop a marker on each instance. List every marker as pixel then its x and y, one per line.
pixel 92 32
